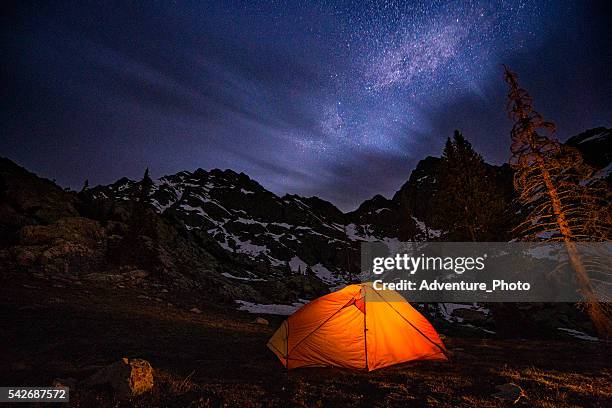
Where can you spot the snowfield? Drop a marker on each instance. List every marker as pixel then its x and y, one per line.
pixel 276 309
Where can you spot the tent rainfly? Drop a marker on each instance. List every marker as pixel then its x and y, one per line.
pixel 356 327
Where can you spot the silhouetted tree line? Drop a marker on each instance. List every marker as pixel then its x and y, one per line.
pixel 469 204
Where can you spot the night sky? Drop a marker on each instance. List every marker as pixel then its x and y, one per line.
pixel 335 99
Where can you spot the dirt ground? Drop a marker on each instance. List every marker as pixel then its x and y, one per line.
pixel 219 358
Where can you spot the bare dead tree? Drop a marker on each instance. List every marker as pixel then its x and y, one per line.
pixel 556 187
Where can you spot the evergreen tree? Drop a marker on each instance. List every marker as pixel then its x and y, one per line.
pixel 142 221
pixel 288 270
pixel 468 204
pixel 145 187
pixel 142 237
pixel 349 269
pixel 267 263
pixel 232 244
pixel 553 183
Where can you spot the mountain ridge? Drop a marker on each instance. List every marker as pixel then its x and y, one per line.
pixel 244 217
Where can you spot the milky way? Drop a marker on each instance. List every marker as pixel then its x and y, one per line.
pixel 407 54
pixel 337 99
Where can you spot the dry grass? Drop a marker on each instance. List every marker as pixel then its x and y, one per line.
pixel 219 358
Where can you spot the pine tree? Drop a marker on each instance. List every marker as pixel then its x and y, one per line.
pixel 308 271
pixel 145 187
pixel 288 270
pixel 141 221
pixel 349 269
pixel 232 244
pixel 552 181
pixel 141 242
pixel 468 204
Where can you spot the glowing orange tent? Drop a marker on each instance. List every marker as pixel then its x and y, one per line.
pixel 356 327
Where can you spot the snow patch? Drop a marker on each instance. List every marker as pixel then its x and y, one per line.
pixel 354 235
pixel 323 273
pixel 123 187
pixel 244 247
pixel 296 263
pixel 430 232
pixel 282 224
pixel 189 208
pixel 277 309
pixel 597 136
pixel 250 221
pixel 578 334
pixel 605 172
pixel 447 310
pixel 229 275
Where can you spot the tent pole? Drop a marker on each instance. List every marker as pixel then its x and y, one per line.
pixel 365 328
pixel 287 346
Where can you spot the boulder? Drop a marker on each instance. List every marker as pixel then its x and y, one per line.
pixel 73 229
pixel 68 382
pixel 261 320
pixel 470 315
pixel 127 377
pixel 72 245
pixel 195 310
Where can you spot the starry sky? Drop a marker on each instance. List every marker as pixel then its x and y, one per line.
pixel 335 99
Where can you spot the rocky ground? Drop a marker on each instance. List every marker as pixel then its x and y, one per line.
pixel 219 357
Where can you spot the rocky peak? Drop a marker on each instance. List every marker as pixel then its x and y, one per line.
pixel 595 145
pixel 28 199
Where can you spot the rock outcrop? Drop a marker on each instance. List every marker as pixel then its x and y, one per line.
pixel 127 377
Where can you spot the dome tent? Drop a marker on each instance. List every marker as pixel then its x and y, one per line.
pixel 356 327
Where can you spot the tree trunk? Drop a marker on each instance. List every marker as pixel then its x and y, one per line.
pixel 596 314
